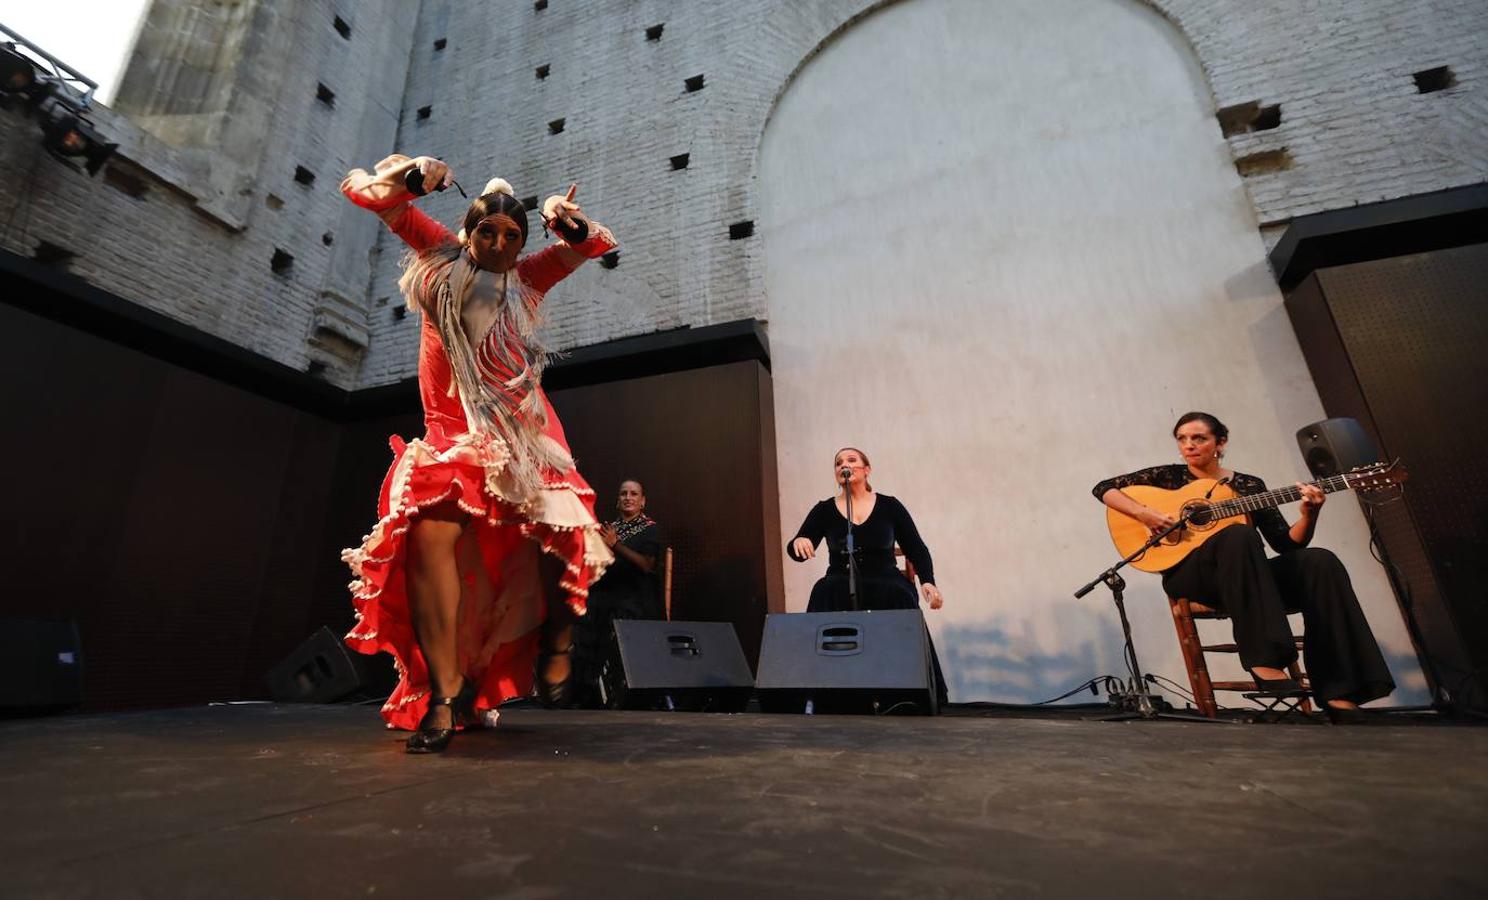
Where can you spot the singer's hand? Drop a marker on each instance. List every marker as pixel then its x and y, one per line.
pixel 561 208
pixel 931 593
pixel 436 173
pixel 803 548
pixel 1313 498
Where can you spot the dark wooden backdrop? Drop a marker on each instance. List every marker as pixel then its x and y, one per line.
pixel 189 517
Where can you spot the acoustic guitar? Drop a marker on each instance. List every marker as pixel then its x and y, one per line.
pixel 1206 506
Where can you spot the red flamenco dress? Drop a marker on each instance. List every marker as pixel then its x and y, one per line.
pixel 502 603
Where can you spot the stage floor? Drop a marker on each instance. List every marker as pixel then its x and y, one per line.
pixel 320 801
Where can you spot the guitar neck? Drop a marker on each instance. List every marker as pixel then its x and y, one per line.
pixel 1271 499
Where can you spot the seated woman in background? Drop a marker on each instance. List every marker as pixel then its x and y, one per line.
pixel 1231 573
pixel 879 523
pixel 629 589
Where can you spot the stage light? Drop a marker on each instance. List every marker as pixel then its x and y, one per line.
pixel 17 74
pixel 58 96
pixel 67 135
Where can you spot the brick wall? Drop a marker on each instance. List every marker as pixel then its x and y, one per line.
pixel 1353 128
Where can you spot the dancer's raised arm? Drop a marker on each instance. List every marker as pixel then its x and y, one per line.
pixel 384 191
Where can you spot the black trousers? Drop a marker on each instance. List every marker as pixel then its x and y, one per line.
pixel 1231 573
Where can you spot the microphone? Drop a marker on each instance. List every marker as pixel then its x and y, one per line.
pixel 845 474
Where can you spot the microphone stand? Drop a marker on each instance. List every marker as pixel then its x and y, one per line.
pixel 852 557
pixel 1135 702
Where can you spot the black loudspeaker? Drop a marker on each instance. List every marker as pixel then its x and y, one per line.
pixel 41 665
pixel 849 662
pixel 1335 446
pixel 320 670
pixel 697 666
pixel 1398 345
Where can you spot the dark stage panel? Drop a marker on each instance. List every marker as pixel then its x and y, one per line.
pixel 266 801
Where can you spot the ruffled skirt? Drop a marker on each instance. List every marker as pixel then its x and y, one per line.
pixel 502 601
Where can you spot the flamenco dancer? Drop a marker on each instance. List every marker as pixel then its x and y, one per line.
pixel 486 541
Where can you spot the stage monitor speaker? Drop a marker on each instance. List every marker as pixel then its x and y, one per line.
pixel 874 662
pixel 1335 446
pixel 41 665
pixel 696 666
pixel 320 670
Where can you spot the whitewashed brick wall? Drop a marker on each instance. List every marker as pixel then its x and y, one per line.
pixel 1353 126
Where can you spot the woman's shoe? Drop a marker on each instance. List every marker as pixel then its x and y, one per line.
pixel 554 695
pixel 429 739
pixel 1276 685
pixel 1349 715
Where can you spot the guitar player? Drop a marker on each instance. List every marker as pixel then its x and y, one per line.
pixel 1230 572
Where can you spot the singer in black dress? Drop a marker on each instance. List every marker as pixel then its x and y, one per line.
pixel 1230 572
pixel 880 522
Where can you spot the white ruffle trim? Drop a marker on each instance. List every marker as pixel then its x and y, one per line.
pixel 557 507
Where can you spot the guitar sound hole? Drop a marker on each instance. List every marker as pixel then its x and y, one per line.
pixel 1200 515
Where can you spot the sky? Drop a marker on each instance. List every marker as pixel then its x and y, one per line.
pixel 92 36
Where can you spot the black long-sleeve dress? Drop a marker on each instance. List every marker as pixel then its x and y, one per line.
pixel 1230 572
pixel 880 583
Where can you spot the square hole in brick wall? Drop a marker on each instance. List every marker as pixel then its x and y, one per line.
pixel 1264 162
pixel 1267 118
pixel 555 126
pixel 541 71
pixel 125 182
pixel 342 28
pixel 400 313
pixel 424 112
pixel 654 32
pixel 1429 81
pixel 50 254
pixel 680 161
pixel 281 263
pixel 610 260
pixel 693 84
pixel 740 230
pixel 304 175
pixel 273 201
pixel 325 95
pixel 1246 117
pixel 530 203
pixel 440 44
pixel 539 5
pixel 328 239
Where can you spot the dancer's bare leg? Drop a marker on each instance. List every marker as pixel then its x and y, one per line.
pixel 432 578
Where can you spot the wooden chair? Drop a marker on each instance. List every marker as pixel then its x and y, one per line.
pixel 666 582
pixel 906 568
pixel 1185 611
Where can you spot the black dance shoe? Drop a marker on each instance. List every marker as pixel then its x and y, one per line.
pixel 555 695
pixel 429 739
pixel 1277 686
pixel 1346 716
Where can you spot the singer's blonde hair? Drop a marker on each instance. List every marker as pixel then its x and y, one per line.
pixel 867 462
